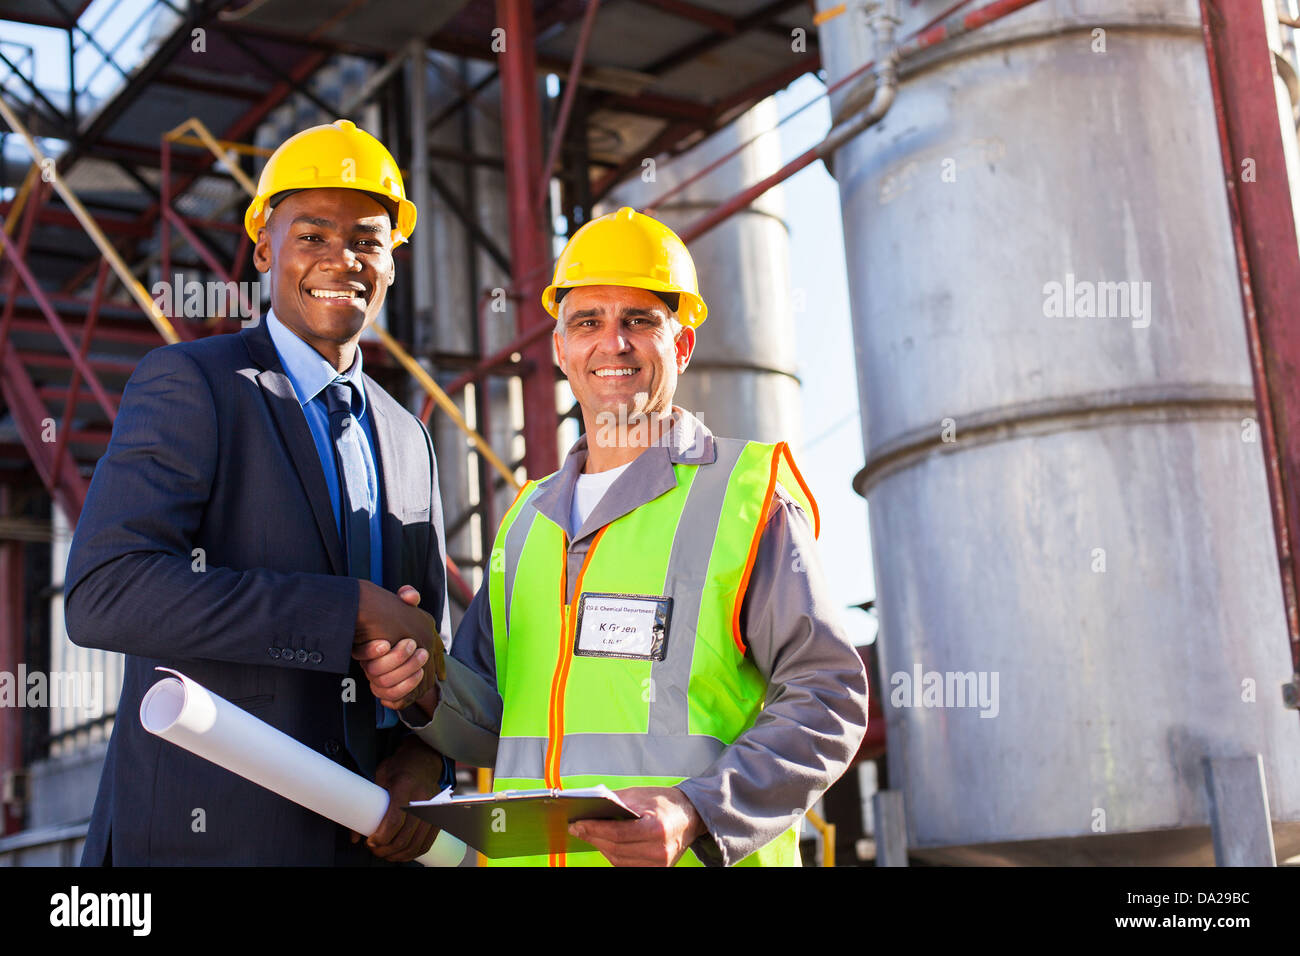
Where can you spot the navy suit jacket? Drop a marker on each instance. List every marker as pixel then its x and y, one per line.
pixel 208 544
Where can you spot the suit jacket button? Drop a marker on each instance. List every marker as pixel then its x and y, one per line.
pixel 302 657
pixel 315 657
pixel 274 652
pixel 332 747
pixel 286 654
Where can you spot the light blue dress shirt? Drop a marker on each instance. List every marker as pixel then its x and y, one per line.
pixel 310 373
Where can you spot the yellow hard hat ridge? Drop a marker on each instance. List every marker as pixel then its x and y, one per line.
pixel 336 155
pixel 629 248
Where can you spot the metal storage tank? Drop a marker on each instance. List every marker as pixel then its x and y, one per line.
pixel 1074 503
pixel 742 378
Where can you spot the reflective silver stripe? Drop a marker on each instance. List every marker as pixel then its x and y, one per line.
pixel 614 755
pixel 514 548
pixel 638 755
pixel 521 757
pixel 689 563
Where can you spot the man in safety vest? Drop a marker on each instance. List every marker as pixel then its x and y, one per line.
pixel 654 616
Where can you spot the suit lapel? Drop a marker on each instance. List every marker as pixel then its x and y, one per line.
pixel 388 460
pixel 292 424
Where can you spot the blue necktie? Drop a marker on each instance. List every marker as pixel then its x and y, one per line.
pixel 354 512
pixel 354 488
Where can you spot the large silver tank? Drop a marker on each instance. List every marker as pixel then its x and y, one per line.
pixel 742 378
pixel 1076 505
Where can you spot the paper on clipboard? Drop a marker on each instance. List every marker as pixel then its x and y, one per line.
pixel 513 823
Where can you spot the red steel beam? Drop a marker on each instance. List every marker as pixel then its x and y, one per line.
pixel 52 215
pixel 1245 103
pixel 501 356
pixel 566 104
pixel 28 412
pixel 530 255
pixel 24 238
pixel 135 335
pixel 241 254
pixel 165 202
pixel 207 255
pixel 78 361
pixel 87 333
pixel 113 366
pixel 461 591
pixel 718 22
pixel 483 423
pixel 11 653
pixel 954 26
pixel 724 211
pixel 659 106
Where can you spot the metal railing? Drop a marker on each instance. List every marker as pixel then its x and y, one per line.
pixel 826 831
pixel 106 249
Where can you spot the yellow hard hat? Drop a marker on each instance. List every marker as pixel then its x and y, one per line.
pixel 631 249
pixel 335 155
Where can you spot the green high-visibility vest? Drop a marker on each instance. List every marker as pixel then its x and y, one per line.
pixel 571 720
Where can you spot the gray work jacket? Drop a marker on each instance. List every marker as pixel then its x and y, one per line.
pixel 815 712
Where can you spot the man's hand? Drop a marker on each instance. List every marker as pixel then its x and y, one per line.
pixel 393 640
pixel 412 773
pixel 668 824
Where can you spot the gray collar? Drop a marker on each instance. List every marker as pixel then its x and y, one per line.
pixel 649 475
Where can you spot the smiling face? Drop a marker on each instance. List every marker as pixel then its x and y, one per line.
pixel 621 351
pixel 329 253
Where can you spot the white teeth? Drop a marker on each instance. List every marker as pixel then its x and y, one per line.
pixel 333 294
pixel 607 372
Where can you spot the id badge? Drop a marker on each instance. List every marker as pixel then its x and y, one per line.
pixel 630 626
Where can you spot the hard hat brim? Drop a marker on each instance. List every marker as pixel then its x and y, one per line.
pixel 403 222
pixel 691 309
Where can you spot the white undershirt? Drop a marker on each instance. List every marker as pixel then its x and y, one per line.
pixel 587 494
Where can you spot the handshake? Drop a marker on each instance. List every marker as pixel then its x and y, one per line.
pixel 393 642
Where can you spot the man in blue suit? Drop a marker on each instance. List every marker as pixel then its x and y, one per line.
pixel 259 503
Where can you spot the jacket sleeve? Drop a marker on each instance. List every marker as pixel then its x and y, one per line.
pixel 133 583
pixel 815 713
pixel 433 593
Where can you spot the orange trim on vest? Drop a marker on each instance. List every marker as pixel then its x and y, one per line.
pixel 559 681
pixel 816 516
pixel 520 493
pixel 753 548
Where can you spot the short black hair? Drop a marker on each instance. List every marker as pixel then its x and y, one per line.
pixel 390 207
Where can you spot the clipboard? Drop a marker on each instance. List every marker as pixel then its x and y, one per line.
pixel 515 823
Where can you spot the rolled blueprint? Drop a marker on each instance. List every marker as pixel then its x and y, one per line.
pixel 187 714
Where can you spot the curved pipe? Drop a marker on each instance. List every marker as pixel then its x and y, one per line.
pixel 886 78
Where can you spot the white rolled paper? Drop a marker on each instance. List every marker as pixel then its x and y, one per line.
pixel 187 714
